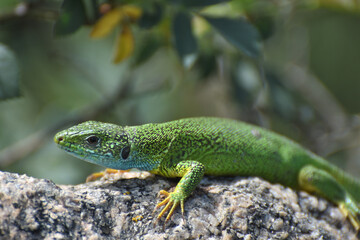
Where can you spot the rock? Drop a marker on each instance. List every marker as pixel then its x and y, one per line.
pixel 220 208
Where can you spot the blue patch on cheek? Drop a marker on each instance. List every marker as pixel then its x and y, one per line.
pixel 112 159
pixel 139 162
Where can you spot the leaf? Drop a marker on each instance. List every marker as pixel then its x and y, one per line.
pixel 201 3
pixel 240 33
pixel 151 16
pixel 71 18
pixel 205 64
pixel 149 43
pixel 185 42
pixel 132 12
pixel 107 23
pixel 284 101
pixel 125 44
pixel 9 73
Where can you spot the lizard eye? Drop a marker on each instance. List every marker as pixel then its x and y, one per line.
pixel 93 140
pixel 125 152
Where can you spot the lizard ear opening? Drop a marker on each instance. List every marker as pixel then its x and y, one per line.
pixel 125 152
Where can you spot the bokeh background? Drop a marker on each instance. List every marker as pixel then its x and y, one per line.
pixel 290 66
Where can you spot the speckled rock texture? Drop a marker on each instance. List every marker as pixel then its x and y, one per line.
pixel 220 208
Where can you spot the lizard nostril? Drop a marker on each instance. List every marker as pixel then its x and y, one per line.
pixel 58 139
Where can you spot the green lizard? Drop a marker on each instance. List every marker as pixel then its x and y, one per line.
pixel 189 148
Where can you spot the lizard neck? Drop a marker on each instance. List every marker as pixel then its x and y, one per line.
pixel 145 154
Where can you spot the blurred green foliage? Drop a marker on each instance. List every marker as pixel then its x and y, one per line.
pixel 284 65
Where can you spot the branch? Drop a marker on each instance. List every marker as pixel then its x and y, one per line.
pixel 30 144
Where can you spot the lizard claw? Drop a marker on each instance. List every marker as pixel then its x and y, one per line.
pixel 163 192
pixel 170 202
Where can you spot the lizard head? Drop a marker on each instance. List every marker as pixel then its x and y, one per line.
pixel 96 142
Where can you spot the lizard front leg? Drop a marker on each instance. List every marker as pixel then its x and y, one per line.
pixel 191 173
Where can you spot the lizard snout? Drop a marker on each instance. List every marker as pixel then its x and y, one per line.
pixel 58 139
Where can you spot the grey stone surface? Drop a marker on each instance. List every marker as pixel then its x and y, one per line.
pixel 220 208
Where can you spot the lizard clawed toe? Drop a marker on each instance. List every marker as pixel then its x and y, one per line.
pixel 170 205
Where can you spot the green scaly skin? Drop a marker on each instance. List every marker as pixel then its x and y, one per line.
pixel 189 148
